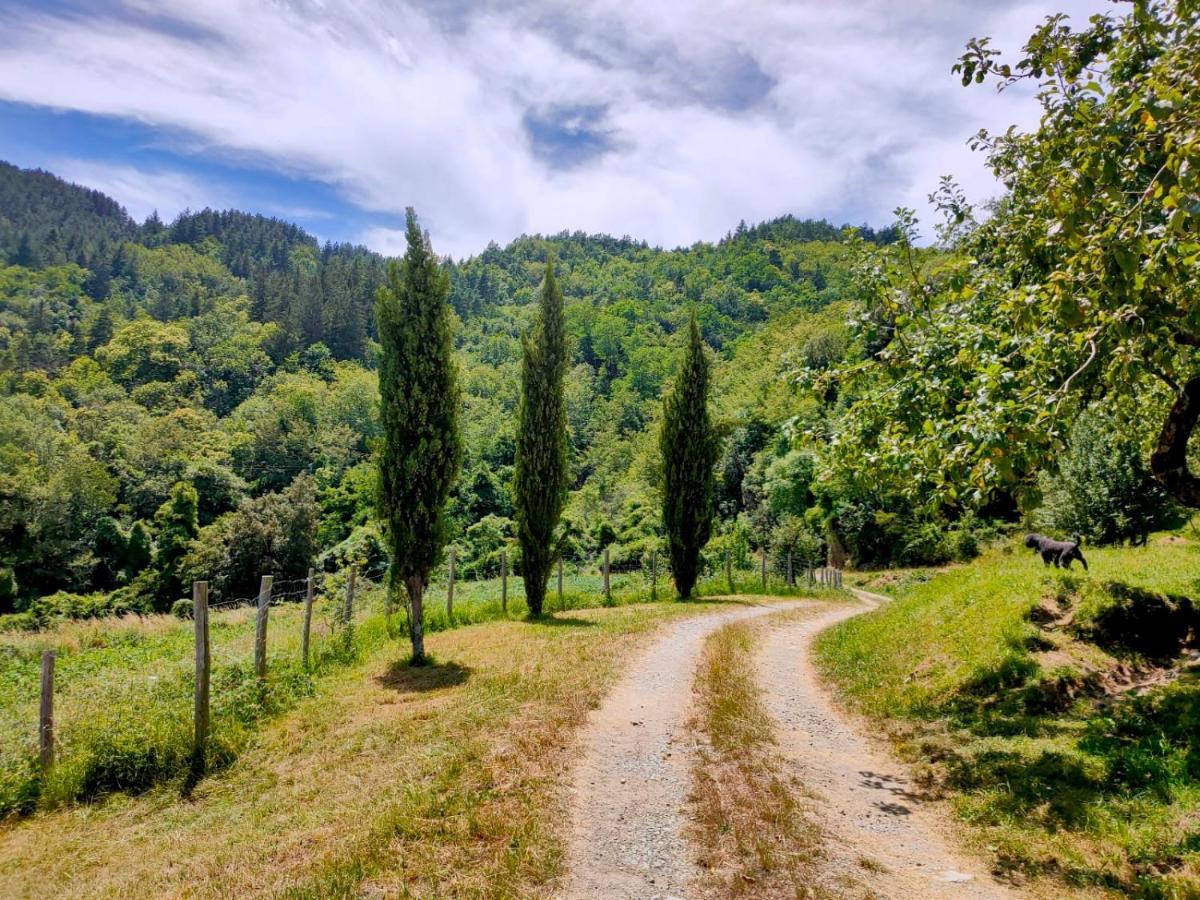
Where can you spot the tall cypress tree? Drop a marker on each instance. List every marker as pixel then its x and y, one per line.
pixel 540 481
pixel 421 451
pixel 688 445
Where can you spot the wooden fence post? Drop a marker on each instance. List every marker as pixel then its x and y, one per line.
pixel 203 668
pixel 729 571
pixel 46 714
pixel 504 581
pixel 764 568
pixel 654 574
pixel 260 626
pixel 791 578
pixel 560 582
pixel 450 585
pixel 309 592
pixel 607 590
pixel 348 609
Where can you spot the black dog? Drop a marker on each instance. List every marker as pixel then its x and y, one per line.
pixel 1061 553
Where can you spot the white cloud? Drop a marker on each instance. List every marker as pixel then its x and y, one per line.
pixel 717 110
pixel 141 192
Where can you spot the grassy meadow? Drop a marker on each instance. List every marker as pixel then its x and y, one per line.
pixel 1057 709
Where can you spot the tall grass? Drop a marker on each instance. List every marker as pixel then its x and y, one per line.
pixel 124 689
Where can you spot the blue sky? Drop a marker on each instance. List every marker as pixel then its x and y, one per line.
pixel 665 121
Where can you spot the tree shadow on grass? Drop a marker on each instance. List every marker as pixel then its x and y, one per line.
pixel 561 621
pixel 1053 788
pixel 409 679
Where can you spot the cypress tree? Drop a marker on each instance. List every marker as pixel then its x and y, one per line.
pixel 540 481
pixel 139 551
pixel 421 450
pixel 688 446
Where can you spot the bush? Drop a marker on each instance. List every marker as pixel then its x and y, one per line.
pixel 274 533
pixel 364 547
pixel 924 544
pixel 65 605
pixel 793 535
pixel 1103 488
pixel 182 609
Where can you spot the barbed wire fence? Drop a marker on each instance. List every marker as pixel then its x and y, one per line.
pixel 332 620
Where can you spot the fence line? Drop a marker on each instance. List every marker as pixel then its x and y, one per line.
pixel 337 615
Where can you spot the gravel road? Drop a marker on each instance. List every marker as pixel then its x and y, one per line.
pixel 631 785
pixel 864 802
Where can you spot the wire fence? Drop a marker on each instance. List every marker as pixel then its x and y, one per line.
pixel 119 704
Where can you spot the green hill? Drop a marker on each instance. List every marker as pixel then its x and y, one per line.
pixel 232 353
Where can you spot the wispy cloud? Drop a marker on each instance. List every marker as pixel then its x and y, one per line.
pixel 668 121
pixel 142 192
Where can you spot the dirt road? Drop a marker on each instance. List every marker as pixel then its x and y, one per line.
pixel 631 786
pixel 632 783
pixel 880 831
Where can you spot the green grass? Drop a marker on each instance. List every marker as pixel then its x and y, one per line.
pixel 123 696
pixel 1004 680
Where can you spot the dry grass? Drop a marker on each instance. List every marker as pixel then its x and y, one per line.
pixel 431 782
pixel 749 818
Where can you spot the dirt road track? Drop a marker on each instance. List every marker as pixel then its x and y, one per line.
pixel 881 832
pixel 631 785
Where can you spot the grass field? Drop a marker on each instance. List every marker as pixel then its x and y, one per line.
pixel 123 695
pixel 1055 708
pixel 436 781
pixel 123 699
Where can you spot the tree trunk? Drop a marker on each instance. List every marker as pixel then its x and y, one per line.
pixel 534 578
pixel 416 620
pixel 1169 461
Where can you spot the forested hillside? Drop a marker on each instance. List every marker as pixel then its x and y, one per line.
pixel 199 397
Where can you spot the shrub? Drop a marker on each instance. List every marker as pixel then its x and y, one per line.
pixel 923 543
pixel 1103 488
pixel 364 547
pixel 274 533
pixel 793 535
pixel 182 609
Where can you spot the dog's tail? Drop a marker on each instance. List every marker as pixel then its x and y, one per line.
pixel 1076 538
